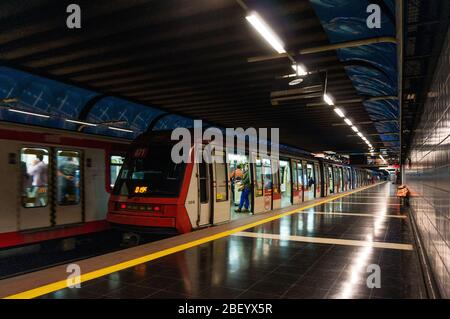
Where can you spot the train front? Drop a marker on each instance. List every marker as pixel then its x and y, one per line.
pixel 150 192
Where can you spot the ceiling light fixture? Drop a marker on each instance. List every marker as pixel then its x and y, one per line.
pixel 328 99
pixel 266 32
pixel 120 129
pixel 29 113
pixel 349 123
pixel 81 122
pixel 355 129
pixel 339 112
pixel 299 69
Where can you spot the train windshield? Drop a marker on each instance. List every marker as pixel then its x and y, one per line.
pixel 153 174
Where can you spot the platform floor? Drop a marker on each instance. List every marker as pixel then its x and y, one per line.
pixel 320 252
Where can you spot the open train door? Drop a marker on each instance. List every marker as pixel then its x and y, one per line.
pixel 276 194
pixel 317 180
pixel 221 189
pixel 262 184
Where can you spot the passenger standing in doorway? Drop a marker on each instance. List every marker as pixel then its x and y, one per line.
pixel 38 173
pixel 236 176
pixel 245 186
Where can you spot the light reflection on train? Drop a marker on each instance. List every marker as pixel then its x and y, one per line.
pixel 152 193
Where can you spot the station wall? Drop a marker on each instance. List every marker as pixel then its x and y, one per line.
pixel 427 173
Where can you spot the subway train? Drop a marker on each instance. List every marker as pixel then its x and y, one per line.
pixel 154 194
pixel 54 184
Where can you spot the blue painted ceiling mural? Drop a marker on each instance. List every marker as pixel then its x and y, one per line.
pixel 372 68
pixel 60 101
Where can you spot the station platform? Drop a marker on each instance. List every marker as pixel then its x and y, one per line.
pixel 318 250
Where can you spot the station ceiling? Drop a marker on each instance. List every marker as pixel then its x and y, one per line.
pixel 201 59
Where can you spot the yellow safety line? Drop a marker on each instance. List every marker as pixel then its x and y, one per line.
pixel 43 290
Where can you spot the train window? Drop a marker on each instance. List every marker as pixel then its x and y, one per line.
pixel 276 180
pixel 259 178
pixel 300 176
pixel 203 178
pixel 267 174
pixel 34 171
pixel 68 177
pixel 294 176
pixel 115 164
pixel 310 175
pixel 221 182
pixel 330 179
pixel 154 172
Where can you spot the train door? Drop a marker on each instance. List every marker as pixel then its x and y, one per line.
pixel 267 183
pixel 337 182
pixel 349 179
pixel 318 180
pixel 35 208
pixel 204 193
pixel 330 180
pixel 258 187
pixel 342 178
pixel 221 189
pixel 69 186
pixel 295 192
pixel 276 194
pixel 286 183
pixel 301 182
pixel 309 181
pixel 238 166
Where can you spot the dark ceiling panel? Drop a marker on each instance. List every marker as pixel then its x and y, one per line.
pixel 188 57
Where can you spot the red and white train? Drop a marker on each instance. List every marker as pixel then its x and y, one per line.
pixel 152 193
pixel 69 194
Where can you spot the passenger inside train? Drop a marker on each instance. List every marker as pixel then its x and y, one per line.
pixel 34 166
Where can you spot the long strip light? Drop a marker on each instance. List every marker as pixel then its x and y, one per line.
pixel 328 99
pixel 80 122
pixel 120 129
pixel 349 123
pixel 29 113
pixel 339 112
pixel 68 120
pixel 266 32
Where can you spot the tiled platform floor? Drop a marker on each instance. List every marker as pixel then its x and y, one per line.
pixel 322 252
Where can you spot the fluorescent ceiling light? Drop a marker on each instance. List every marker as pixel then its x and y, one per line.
pixel 81 122
pixel 360 135
pixel 339 112
pixel 266 32
pixel 299 69
pixel 119 129
pixel 355 129
pixel 348 122
pixel 29 113
pixel 328 99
